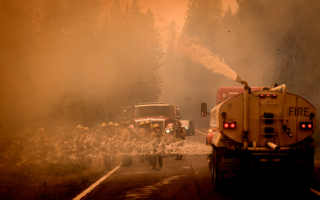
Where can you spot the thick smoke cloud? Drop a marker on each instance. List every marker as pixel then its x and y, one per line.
pixel 75 62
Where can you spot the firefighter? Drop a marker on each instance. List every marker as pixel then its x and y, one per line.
pixel 104 127
pixel 179 135
pixel 103 134
pixel 142 131
pixel 78 142
pixel 104 137
pixel 147 126
pixel 117 130
pixel 125 134
pixel 125 137
pixel 133 134
pixel 112 136
pixel 142 138
pixel 156 136
pixel 85 143
pixel 111 129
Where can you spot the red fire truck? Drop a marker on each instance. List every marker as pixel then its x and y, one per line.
pixel 155 112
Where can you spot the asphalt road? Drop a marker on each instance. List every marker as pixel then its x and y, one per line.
pixel 188 178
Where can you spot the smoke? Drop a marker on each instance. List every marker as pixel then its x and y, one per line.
pixel 67 62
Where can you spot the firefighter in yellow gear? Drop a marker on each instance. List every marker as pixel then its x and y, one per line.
pixel 156 136
pixel 147 126
pixel 104 126
pixel 125 134
pixel 103 131
pixel 85 142
pixel 142 135
pixel 125 137
pixel 111 129
pixel 79 139
pixel 117 130
pixel 104 137
pixel 142 131
pixel 179 135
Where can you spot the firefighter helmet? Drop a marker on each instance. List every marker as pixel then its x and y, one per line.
pixel 86 129
pixel 79 127
pixel 110 124
pixel 123 123
pixel 141 123
pixel 156 126
pixel 104 125
pixel 116 124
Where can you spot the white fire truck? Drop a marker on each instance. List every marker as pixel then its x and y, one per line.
pixel 265 133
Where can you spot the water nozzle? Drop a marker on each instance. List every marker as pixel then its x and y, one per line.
pixel 238 79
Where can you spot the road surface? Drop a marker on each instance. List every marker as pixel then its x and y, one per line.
pixel 188 178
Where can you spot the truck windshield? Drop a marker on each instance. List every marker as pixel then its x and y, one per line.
pixel 152 111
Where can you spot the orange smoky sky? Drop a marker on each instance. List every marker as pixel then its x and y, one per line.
pixel 166 11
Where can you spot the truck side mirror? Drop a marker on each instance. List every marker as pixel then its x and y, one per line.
pixel 125 114
pixel 203 109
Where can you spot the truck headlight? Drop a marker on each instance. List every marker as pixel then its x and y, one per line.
pixel 186 127
pixel 167 131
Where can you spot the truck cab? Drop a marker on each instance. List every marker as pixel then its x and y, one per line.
pixel 154 112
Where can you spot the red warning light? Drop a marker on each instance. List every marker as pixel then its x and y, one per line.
pixel 262 96
pixel 226 125
pixel 274 96
pixel 232 125
pixel 306 125
pixel 268 95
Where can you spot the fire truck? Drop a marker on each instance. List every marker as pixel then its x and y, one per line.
pixel 224 93
pixel 261 135
pixel 154 112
